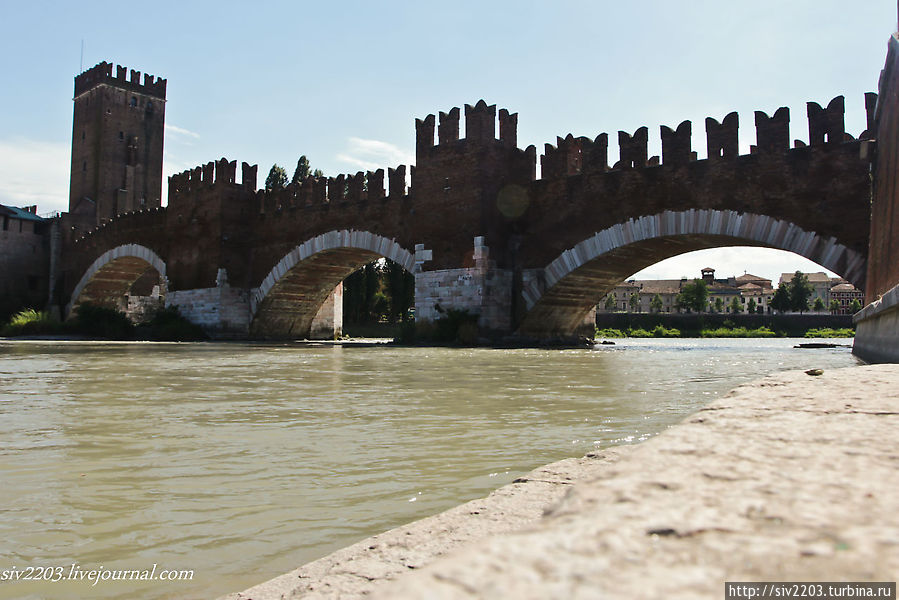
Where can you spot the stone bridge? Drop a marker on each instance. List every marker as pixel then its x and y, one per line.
pixel 531 256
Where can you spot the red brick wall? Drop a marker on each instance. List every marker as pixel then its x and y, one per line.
pixel 883 261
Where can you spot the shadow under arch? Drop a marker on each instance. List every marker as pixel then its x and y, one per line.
pixel 290 296
pixel 558 297
pixel 111 276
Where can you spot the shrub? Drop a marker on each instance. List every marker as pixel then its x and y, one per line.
pixel 102 322
pixel 168 325
pixel 827 332
pixel 32 322
pixel 610 333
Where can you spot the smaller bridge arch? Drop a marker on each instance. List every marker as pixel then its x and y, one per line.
pixel 110 277
pixel 558 297
pixel 292 292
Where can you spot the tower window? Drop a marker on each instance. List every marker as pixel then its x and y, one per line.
pixel 133 100
pixel 121 135
pixel 82 135
pixel 84 166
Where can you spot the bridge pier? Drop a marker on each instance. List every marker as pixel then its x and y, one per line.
pixel 224 311
pixel 481 289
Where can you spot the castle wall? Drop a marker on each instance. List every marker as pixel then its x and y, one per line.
pixel 877 325
pixel 24 263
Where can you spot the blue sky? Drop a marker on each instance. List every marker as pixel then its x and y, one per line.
pixel 342 82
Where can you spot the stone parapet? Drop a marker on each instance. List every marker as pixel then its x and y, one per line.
pixel 877 329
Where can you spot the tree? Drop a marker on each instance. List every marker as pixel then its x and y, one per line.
pixel 656 304
pixel 302 171
pixel 719 305
pixel 818 306
pixel 610 303
pixel 751 306
pixel 781 300
pixel 834 306
pixel 736 306
pixel 694 296
pixel 634 302
pixel 277 178
pixel 855 306
pixel 800 291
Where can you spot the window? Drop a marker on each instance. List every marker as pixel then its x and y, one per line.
pixel 133 101
pixel 84 166
pixel 121 135
pixel 5 223
pixel 82 136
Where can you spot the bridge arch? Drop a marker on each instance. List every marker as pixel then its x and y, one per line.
pixel 290 295
pixel 558 297
pixel 111 276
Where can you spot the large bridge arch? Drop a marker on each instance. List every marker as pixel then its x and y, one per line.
pixel 112 274
pixel 558 297
pixel 290 295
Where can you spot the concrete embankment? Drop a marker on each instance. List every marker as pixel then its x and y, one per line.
pixel 792 477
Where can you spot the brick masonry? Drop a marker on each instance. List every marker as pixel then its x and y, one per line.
pixel 549 247
pixel 877 325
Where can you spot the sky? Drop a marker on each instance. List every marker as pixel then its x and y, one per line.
pixel 342 82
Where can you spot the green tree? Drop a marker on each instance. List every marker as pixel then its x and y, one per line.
pixel 277 178
pixel 735 305
pixel 855 306
pixel 781 300
pixel 656 304
pixel 302 171
pixel 751 306
pixel 694 296
pixel 719 305
pixel 634 302
pixel 400 290
pixel 818 306
pixel 834 306
pixel 610 303
pixel 800 291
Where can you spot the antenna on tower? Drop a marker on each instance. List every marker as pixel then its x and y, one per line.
pixel 81 66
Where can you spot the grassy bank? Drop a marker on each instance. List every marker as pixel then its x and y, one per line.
pixel 661 331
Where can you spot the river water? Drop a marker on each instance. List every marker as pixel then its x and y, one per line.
pixel 241 461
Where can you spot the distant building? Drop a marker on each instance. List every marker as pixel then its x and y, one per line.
pixel 829 288
pixel 742 288
pixel 24 260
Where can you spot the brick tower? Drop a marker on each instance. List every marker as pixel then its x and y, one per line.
pixel 117 136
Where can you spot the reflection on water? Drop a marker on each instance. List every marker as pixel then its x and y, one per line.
pixel 242 461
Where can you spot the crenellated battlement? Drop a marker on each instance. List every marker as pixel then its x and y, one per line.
pixel 572 156
pixel 344 189
pixel 102 74
pixel 480 128
pixel 214 172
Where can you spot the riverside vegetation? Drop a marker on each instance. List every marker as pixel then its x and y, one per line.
pixel 660 331
pixel 165 324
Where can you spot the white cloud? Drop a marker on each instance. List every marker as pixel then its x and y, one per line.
pixel 374 154
pixel 35 172
pixel 174 129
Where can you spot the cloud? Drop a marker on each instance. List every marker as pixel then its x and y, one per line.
pixel 374 154
pixel 35 172
pixel 175 130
